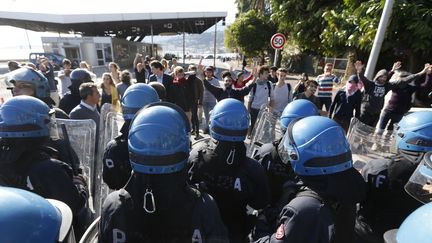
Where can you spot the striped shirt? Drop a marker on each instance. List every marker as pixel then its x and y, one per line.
pixel 325 85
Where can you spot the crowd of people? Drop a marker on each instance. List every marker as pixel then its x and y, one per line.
pixel 302 187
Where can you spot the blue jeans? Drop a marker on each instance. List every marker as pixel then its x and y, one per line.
pixel 207 107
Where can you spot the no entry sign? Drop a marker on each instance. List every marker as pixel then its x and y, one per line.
pixel 277 41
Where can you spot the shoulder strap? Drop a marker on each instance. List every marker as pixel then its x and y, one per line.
pixel 269 88
pixel 310 193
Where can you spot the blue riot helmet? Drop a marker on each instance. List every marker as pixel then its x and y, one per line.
pixel 27 217
pixel 416 227
pixel 158 139
pixel 77 77
pixel 80 75
pixel 315 145
pixel 136 97
pixel 414 133
pixel 229 121
pixel 25 117
pixel 27 76
pixel 297 109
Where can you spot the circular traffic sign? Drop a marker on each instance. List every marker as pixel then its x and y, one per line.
pixel 277 41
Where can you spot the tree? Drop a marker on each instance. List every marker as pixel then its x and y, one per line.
pixel 353 26
pixel 302 21
pixel 250 33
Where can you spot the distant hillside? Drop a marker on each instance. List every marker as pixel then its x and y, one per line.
pixel 194 43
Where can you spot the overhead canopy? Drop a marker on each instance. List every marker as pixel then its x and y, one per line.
pixel 117 24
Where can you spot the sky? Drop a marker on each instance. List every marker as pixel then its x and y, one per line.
pixel 16 43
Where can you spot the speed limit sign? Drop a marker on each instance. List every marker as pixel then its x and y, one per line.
pixel 277 41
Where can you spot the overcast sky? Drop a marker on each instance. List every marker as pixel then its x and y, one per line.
pixel 15 43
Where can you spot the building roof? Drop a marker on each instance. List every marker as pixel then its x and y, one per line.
pixel 121 25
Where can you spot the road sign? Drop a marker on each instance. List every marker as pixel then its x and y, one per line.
pixel 277 41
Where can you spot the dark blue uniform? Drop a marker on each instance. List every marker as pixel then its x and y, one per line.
pixel 116 166
pixel 234 186
pixel 306 219
pixel 324 211
pixel 284 185
pixel 277 172
pixel 183 215
pixel 35 171
pixel 387 204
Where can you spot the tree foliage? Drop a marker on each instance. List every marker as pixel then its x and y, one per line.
pixel 335 27
pixel 250 33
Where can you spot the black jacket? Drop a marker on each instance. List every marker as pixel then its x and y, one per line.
pixel 182 214
pixel 221 93
pixel 232 185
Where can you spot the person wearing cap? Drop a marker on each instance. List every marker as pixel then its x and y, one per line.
pixel 157 204
pixel 227 91
pixel 346 101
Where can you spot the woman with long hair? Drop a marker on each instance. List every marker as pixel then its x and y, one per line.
pixel 115 72
pixel 109 90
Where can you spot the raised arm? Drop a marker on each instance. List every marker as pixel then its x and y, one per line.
pixel 411 77
pixel 215 91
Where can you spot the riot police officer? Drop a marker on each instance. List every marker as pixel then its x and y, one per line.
pixel 25 161
pixel 45 220
pixel 387 204
pixel 415 228
pixel 157 205
pixel 116 166
pixel 277 171
pixel 283 182
pixel 27 81
pixel 224 170
pixel 323 210
pixel 73 98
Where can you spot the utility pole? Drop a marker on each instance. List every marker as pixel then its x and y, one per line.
pixel 379 38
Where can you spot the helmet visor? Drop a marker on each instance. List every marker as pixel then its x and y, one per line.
pixel 419 185
pixel 287 148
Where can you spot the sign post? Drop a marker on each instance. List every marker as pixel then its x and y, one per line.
pixel 277 41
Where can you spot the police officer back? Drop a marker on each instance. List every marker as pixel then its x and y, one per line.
pixel 26 163
pixel 157 205
pixel 116 166
pixel 222 168
pixel 323 210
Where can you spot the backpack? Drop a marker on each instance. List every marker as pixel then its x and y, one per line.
pixel 268 87
pixel 289 90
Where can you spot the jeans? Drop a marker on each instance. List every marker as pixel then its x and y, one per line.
pixel 194 120
pixel 325 101
pixel 207 107
pixel 254 115
pixel 390 118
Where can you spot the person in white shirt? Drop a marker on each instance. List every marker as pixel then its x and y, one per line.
pixel 282 91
